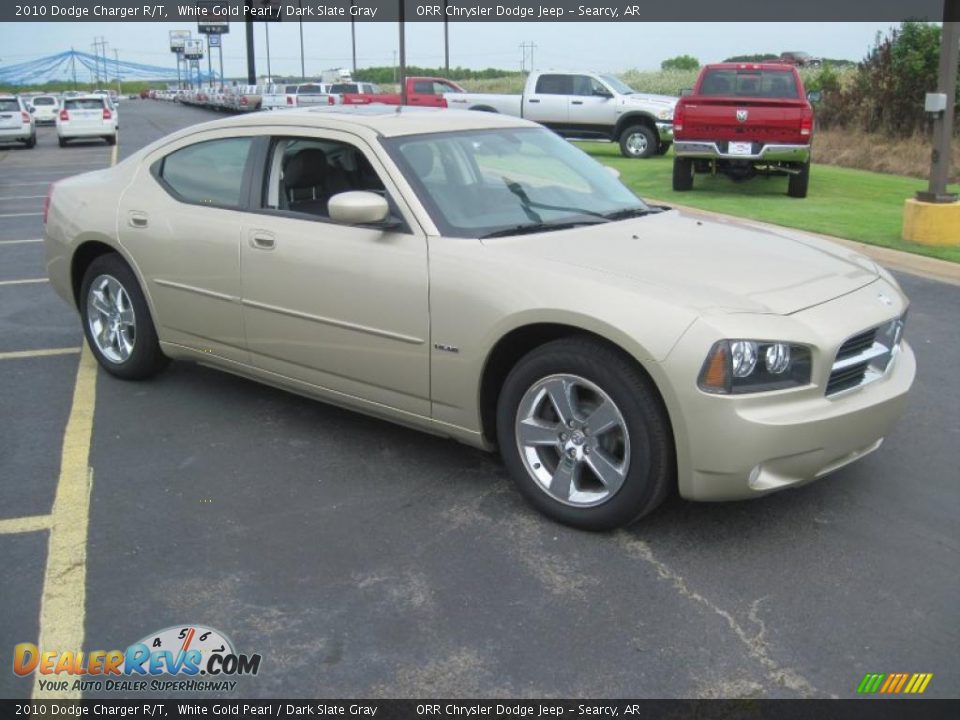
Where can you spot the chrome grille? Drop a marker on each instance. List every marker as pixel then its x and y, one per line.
pixel 865 357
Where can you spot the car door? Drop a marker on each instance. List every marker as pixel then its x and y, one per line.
pixel 180 219
pixel 592 106
pixel 550 102
pixel 341 308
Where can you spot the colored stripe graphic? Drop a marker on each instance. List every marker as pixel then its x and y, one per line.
pixel 894 683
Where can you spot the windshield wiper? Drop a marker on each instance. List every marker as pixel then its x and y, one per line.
pixel 530 228
pixel 527 203
pixel 625 213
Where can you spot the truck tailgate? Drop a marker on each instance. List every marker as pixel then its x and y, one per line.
pixel 759 119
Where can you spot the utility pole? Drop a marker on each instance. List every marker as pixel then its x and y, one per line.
pixel 266 27
pixel 524 46
pixel 209 65
pixel 303 67
pixel 251 57
pixel 446 40
pixel 353 38
pixel 116 61
pixel 403 54
pixel 940 156
pixel 394 67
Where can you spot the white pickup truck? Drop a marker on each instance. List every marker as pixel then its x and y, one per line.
pixel 586 105
pixel 292 95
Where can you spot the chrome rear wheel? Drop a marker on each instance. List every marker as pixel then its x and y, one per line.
pixel 111 318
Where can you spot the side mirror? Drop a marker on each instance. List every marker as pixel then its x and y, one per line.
pixel 813 96
pixel 613 171
pixel 602 93
pixel 32 109
pixel 686 91
pixel 358 207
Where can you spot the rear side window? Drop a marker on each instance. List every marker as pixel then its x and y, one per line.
pixel 345 88
pixel 91 104
pixel 208 173
pixel 750 83
pixel 9 105
pixel 554 85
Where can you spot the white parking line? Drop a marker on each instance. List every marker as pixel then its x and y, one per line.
pixel 30 281
pixel 22 197
pixel 27 354
pixel 19 184
pixel 20 242
pixel 3 215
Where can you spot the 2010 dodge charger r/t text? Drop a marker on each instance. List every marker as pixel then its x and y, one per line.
pixel 475 276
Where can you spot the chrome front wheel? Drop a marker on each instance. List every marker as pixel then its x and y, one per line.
pixel 111 318
pixel 573 440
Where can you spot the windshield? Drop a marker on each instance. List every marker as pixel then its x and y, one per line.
pixel 618 85
pixel 481 182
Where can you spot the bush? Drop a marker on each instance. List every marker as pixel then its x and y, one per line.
pixel 680 62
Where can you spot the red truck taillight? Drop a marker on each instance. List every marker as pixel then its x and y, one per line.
pixel 678 118
pixel 806 124
pixel 443 102
pixel 64 115
pixel 25 116
pixel 243 100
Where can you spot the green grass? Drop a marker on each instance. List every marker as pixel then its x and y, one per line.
pixel 853 204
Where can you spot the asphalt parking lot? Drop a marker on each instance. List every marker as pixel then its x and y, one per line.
pixel 362 559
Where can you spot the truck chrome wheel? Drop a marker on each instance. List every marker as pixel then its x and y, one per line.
pixel 573 440
pixel 637 144
pixel 111 318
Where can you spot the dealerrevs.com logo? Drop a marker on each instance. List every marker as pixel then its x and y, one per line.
pixel 187 653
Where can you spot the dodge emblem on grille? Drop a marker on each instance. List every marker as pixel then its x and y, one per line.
pixel 742 115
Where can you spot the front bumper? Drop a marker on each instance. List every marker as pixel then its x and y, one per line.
pixel 665 131
pixel 732 447
pixel 708 150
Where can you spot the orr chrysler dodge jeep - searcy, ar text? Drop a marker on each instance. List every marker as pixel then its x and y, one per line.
pixel 475 276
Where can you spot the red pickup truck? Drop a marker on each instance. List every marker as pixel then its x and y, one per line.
pixel 421 91
pixel 744 119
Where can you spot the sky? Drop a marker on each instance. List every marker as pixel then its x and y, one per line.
pixel 597 46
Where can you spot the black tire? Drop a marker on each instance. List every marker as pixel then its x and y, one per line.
pixel 646 483
pixel 145 359
pixel 63 143
pixel 798 184
pixel 682 174
pixel 111 139
pixel 638 141
pixel 31 142
pixel 664 148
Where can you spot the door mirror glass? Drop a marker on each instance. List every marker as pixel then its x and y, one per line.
pixel 358 207
pixel 814 96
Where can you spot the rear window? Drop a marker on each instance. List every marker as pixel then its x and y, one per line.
pixel 44 101
pixel 750 83
pixel 554 85
pixel 91 104
pixel 9 105
pixel 208 173
pixel 348 88
pixel 290 89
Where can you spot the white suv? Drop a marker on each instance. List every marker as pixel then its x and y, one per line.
pixel 45 108
pixel 16 122
pixel 87 116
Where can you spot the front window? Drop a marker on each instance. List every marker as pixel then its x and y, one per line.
pixel 482 182
pixel 618 85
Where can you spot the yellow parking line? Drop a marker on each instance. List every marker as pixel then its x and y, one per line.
pixel 32 523
pixel 63 604
pixel 22 354
pixel 29 281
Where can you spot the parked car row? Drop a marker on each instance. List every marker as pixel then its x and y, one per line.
pixel 76 116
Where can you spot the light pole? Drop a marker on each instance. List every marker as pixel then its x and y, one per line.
pixel 403 55
pixel 266 27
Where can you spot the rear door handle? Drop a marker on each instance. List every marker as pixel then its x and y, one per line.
pixel 262 240
pixel 576 102
pixel 533 100
pixel 138 219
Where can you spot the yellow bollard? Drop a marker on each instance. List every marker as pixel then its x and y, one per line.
pixel 931 223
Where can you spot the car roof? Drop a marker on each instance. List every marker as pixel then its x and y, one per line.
pixel 384 120
pixel 749 66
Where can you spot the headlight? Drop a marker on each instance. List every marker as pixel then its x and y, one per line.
pixel 746 366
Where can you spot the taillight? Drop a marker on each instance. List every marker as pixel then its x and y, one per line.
pixel 64 115
pixel 443 102
pixel 806 124
pixel 46 201
pixel 678 118
pixel 289 100
pixel 25 116
pixel 243 99
pixel 330 100
pixel 106 114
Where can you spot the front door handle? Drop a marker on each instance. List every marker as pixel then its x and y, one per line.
pixel 138 219
pixel 576 102
pixel 533 100
pixel 262 240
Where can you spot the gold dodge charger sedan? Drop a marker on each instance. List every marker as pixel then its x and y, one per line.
pixel 475 276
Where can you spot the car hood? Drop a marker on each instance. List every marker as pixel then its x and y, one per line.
pixel 707 265
pixel 652 98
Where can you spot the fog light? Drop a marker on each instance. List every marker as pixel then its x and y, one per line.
pixel 777 358
pixel 744 354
